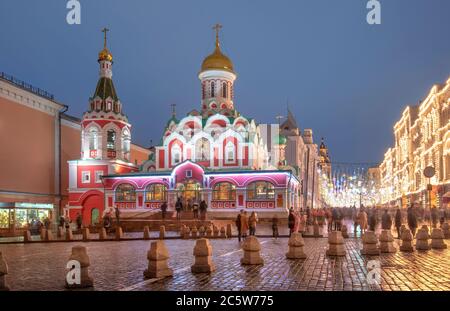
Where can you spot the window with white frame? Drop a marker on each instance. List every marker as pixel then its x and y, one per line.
pixel 229 152
pixel 86 177
pixel 176 154
pixel 98 176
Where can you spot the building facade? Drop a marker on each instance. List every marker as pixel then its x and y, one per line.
pixel 421 139
pixel 214 154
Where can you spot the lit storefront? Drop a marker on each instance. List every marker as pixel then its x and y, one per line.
pixel 18 215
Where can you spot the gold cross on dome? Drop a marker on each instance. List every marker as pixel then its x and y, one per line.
pixel 105 30
pixel 217 28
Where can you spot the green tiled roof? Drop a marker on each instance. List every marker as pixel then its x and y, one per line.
pixel 105 88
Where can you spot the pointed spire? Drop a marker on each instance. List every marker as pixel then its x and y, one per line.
pixel 105 31
pixel 174 114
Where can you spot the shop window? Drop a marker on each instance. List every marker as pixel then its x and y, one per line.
pixel 125 193
pixel 224 191
pixel 156 192
pixel 260 190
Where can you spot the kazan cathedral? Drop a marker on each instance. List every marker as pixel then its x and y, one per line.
pixel 214 154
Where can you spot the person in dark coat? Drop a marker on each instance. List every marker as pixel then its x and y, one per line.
pixel 79 221
pixel 386 220
pixel 275 227
pixel 238 225
pixel 164 210
pixel 398 221
pixel 372 220
pixel 434 216
pixel 203 208
pixel 178 208
pixel 412 220
pixel 335 218
pixel 291 221
pixel 117 212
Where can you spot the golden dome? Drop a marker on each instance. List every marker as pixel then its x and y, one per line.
pixel 105 54
pixel 217 60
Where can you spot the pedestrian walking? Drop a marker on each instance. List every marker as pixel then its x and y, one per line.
pixel 434 216
pixel 79 221
pixel 398 222
pixel 386 220
pixel 412 220
pixel 275 227
pixel 291 221
pixel 362 220
pixel 163 210
pixel 178 207
pixel 244 224
pixel 253 219
pixel 203 208
pixel 117 216
pixel 195 209
pixel 239 225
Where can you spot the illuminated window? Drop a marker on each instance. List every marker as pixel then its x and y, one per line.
pixel 176 154
pixel 229 152
pixel 156 192
pixel 111 140
pixel 224 191
pixel 224 90
pixel 202 149
pixel 93 139
pixel 213 89
pixel 98 175
pixel 85 177
pixel 126 142
pixel 125 193
pixel 260 190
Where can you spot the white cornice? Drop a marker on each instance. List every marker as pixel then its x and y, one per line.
pixel 26 98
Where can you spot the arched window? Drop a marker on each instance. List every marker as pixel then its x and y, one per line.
pixel 93 139
pixel 156 192
pixel 125 193
pixel 224 90
pixel 213 89
pixel 260 190
pixel 202 149
pixel 111 140
pixel 229 152
pixel 176 154
pixel 224 191
pixel 126 144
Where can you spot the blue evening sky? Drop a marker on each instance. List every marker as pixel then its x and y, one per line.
pixel 345 79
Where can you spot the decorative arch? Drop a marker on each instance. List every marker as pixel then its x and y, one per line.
pixel 156 192
pixel 125 192
pixel 224 191
pixel 260 190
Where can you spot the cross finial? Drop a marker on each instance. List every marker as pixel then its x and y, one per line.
pixel 173 110
pixel 105 30
pixel 217 28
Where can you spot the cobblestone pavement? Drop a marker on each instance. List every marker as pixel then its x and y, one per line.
pixel 120 265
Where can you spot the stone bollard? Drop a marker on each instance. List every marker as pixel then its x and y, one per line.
pixel 407 238
pixel 229 232
pixel 370 241
pixel 209 232
pixel 146 233
pixel 387 242
pixel 102 234
pixel 60 233
pixel 203 260
pixel 69 235
pixel 335 244
pixel 162 232
pixel 446 230
pixel 296 244
pixel 42 234
pixel 194 232
pixel 344 231
pixel 216 231
pixel 201 231
pixel 223 233
pixel 437 239
pixel 119 233
pixel 79 254
pixel 86 234
pixel 48 235
pixel 251 249
pixel 157 261
pixel 422 239
pixel 27 236
pixel 3 273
